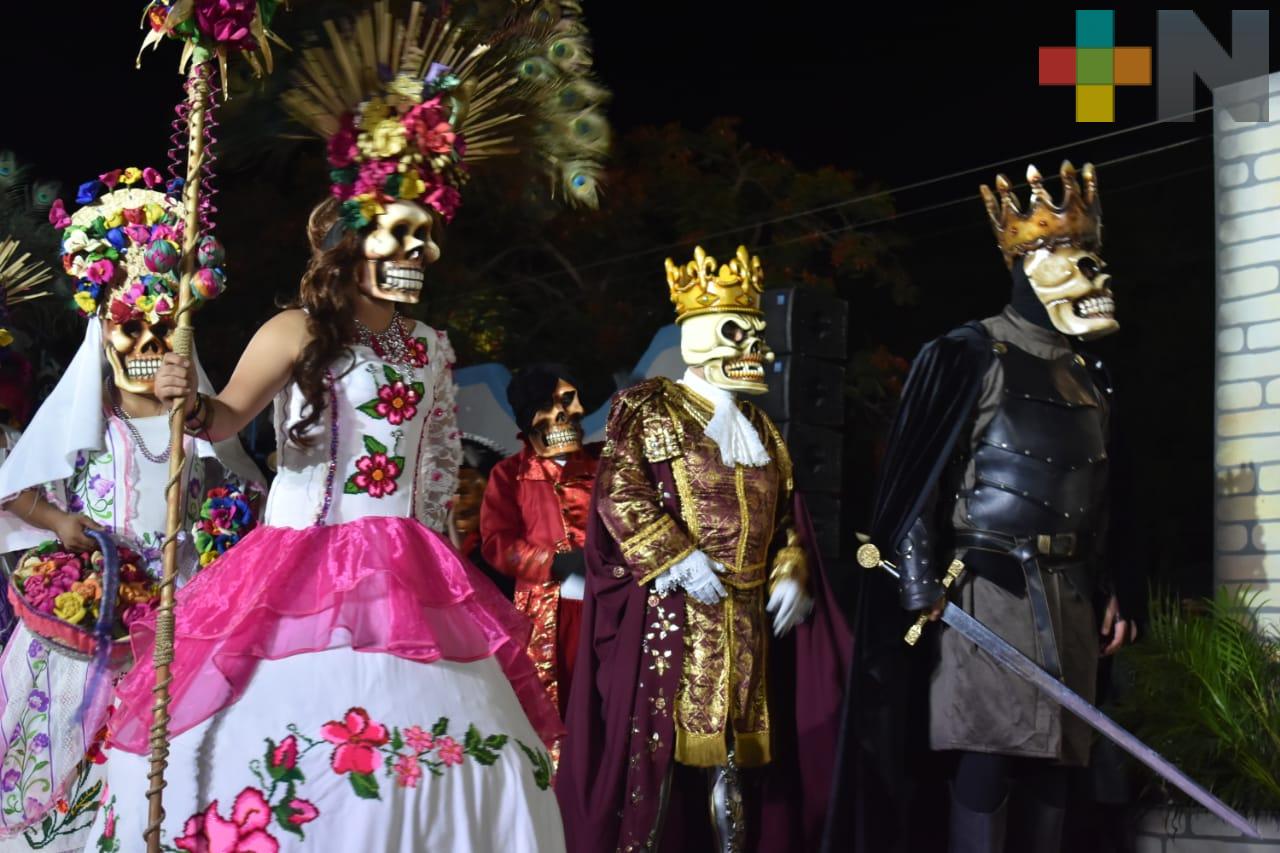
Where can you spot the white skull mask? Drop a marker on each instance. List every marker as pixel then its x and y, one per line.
pixel 399 248
pixel 729 347
pixel 1073 287
pixel 135 349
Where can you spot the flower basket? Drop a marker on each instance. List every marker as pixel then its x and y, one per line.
pixel 59 595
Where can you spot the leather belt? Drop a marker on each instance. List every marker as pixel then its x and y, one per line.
pixel 1027 551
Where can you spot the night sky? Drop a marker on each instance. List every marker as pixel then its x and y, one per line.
pixel 902 94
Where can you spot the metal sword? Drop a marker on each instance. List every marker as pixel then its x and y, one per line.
pixel 1022 666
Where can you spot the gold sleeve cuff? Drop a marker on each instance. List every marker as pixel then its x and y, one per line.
pixel 791 561
pixel 657 547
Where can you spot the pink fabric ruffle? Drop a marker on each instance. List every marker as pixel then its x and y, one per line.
pixel 394 586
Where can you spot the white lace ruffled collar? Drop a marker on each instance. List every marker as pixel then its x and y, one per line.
pixel 737 439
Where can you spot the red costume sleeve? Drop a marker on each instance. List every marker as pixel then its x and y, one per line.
pixel 502 529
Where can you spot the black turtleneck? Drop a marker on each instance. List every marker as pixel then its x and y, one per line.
pixel 1023 298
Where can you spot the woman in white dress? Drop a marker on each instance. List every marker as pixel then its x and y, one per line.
pixel 94 458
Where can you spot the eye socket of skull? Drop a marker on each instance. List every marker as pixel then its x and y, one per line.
pixel 557 428
pixel 398 249
pixel 1074 287
pixel 729 347
pixel 135 349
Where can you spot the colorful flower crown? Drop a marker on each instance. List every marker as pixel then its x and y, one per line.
pixel 399 145
pixel 124 246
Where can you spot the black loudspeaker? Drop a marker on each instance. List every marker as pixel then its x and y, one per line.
pixel 804 389
pixel 824 512
pixel 806 321
pixel 816 454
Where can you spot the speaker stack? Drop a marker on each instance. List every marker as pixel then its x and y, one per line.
pixel 808 332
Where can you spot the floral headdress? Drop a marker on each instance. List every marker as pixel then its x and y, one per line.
pixel 124 245
pixel 407 107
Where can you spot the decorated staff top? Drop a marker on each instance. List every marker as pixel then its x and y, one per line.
pixel 21 280
pixel 214 28
pixel 408 106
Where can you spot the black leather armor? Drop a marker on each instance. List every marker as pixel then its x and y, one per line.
pixel 1040 472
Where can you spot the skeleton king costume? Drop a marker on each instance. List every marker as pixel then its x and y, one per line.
pixel 706 698
pixel 999 457
pixel 533 521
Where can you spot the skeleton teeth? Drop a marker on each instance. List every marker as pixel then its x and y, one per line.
pixel 558 437
pixel 142 368
pixel 1095 306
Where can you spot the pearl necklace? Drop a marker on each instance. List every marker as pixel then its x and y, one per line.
pixel 137 437
pixel 389 344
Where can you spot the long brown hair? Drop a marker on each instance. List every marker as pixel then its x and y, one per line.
pixel 327 293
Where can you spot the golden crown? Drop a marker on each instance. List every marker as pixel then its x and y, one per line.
pixel 1045 225
pixel 698 287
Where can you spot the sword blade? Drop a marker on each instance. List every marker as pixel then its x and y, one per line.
pixel 1018 663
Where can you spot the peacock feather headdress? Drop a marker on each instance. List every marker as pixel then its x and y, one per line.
pixel 408 106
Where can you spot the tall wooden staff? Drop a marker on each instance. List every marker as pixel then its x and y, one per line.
pixel 206 39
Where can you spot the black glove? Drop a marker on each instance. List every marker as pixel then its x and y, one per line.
pixel 564 565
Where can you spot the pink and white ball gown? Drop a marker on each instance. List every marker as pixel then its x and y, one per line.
pixel 343 680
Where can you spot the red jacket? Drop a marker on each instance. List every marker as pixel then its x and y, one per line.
pixel 532 510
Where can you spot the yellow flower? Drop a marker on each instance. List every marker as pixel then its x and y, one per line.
pixel 131 176
pixel 154 213
pixel 411 186
pixel 116 219
pixel 208 557
pixel 370 208
pixel 84 301
pixel 146 303
pixel 6 338
pixel 374 112
pixel 386 139
pixel 69 607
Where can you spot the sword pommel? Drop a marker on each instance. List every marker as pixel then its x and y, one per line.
pixel 869 556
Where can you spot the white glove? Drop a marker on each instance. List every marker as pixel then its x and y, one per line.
pixel 696 574
pixel 790 605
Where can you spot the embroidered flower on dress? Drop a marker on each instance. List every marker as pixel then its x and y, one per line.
pixel 407 771
pixel 418 739
pixel 244 831
pixel 357 738
pixel 38 701
pixel 449 750
pixel 396 401
pixel 376 473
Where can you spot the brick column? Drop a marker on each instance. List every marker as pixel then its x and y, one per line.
pixel 1247 416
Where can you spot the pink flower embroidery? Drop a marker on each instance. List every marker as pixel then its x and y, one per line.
pixel 302 812
pixel 450 751
pixel 244 832
pixel 419 739
pixel 408 771
pixel 357 738
pixel 376 475
pixel 418 352
pixel 285 756
pixel 396 403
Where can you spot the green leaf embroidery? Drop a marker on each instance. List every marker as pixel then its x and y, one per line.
pixel 397 742
pixel 542 769
pixel 372 445
pixel 350 487
pixel 366 786
pixel 370 408
pixel 419 389
pixel 399 461
pixel 441 728
pixel 283 812
pixel 391 375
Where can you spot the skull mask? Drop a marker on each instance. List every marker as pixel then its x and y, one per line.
pixel 398 250
pixel 1073 287
pixel 729 347
pixel 135 347
pixel 557 427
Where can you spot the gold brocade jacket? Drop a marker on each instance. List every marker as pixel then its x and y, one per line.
pixel 739 517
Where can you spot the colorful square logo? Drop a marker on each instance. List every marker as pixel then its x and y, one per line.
pixel 1095 66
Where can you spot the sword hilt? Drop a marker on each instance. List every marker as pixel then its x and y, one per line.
pixel 869 558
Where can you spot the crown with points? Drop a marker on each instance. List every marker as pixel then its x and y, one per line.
pixel 700 287
pixel 1045 225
